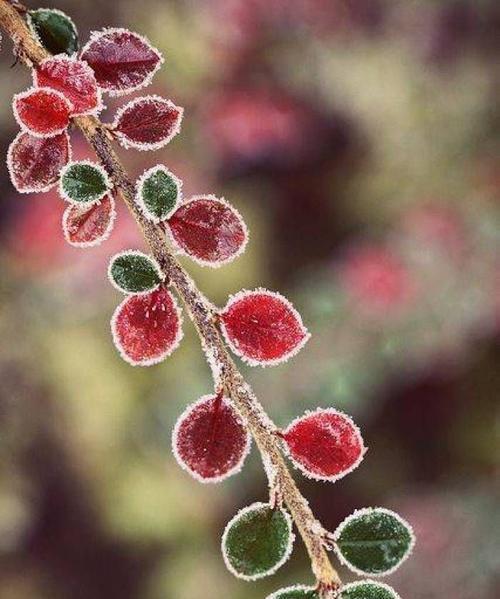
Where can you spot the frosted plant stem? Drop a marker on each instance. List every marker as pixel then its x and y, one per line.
pixel 223 368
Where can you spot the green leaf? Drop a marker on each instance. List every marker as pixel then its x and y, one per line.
pixel 158 193
pixel 374 541
pixel 83 182
pixel 134 272
pixel 257 541
pixel 54 29
pixel 295 592
pixel 367 589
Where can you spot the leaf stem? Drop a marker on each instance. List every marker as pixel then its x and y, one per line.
pixel 223 367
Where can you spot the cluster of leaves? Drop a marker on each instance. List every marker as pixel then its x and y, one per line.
pixel 210 440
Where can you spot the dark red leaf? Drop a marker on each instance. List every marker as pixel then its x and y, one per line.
pixel 121 60
pixel 325 444
pixel 74 79
pixel 43 112
pixel 210 440
pixel 208 230
pixel 86 227
pixel 147 328
pixel 35 163
pixel 148 123
pixel 263 327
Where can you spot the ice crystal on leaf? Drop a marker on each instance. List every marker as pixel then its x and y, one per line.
pixel 257 541
pixel 83 182
pixel 325 444
pixel 74 79
pixel 122 61
pixel 147 123
pixel 54 30
pixel 134 272
pixel 208 230
pixel 85 226
pixel 147 328
pixel 35 163
pixel 210 440
pixel 374 541
pixel 296 592
pixel 158 193
pixel 43 112
pixel 262 327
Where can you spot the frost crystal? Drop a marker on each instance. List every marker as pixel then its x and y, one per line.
pixel 35 164
pixel 147 123
pixel 122 61
pixel 257 541
pixel 147 328
pixel 210 440
pixel 325 444
pixel 43 112
pixel 262 327
pixel 208 230
pixel 85 226
pixel 74 79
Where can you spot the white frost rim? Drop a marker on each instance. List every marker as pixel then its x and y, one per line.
pixel 175 435
pixel 121 90
pixel 33 30
pixel 29 92
pixel 251 361
pixel 98 240
pixel 288 551
pixel 160 357
pixel 365 512
pixel 181 250
pixel 128 143
pixel 154 263
pixel 307 473
pixel 10 166
pixel 96 166
pixel 65 58
pixel 297 587
pixel 358 583
pixel 140 185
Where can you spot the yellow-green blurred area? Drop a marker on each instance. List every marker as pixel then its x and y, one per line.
pixel 360 141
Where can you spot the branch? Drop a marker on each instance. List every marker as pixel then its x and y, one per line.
pixel 223 368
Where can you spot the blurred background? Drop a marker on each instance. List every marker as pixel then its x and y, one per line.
pixel 360 141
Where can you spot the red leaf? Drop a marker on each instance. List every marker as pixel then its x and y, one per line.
pixel 35 163
pixel 86 227
pixel 74 79
pixel 121 60
pixel 210 440
pixel 208 230
pixel 263 327
pixel 325 444
pixel 147 328
pixel 43 112
pixel 148 123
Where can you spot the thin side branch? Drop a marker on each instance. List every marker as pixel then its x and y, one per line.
pixel 223 368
